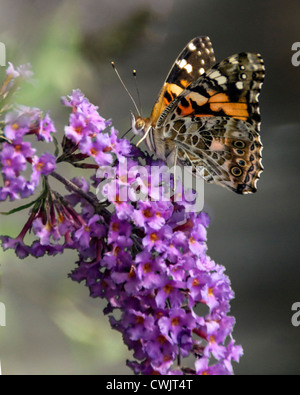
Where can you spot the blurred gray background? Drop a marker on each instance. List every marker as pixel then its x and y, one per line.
pixel 53 326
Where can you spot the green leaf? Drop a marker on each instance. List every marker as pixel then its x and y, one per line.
pixel 16 210
pixel 56 146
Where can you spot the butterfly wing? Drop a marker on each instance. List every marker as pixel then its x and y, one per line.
pixel 230 88
pixel 195 59
pixel 222 150
pixel 215 121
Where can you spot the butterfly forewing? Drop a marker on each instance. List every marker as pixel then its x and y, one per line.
pixel 230 88
pixel 195 59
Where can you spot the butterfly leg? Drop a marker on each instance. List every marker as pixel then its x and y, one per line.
pixel 172 164
pixel 175 172
pixel 144 137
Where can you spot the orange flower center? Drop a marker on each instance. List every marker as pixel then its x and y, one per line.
pixel 196 283
pixel 78 130
pixel 132 274
pixel 147 268
pixel 139 320
pixel 94 152
pixel 115 227
pixel 147 213
pixel 39 167
pixel 168 289
pixel 161 339
pixel 154 237
pixel 107 149
pixel 175 321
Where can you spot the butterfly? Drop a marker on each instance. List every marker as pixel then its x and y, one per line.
pixel 207 117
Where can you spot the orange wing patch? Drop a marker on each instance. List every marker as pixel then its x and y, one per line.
pixel 168 93
pixel 221 102
pixel 171 92
pixel 196 105
pixel 234 110
pixel 184 83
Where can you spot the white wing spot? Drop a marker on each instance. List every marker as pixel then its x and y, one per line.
pixel 182 63
pixel 192 47
pixel 215 74
pixel 239 85
pixel 221 80
pixel 202 70
pixel 189 68
pixel 233 60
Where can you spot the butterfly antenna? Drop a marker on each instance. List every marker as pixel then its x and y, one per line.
pixel 125 134
pixel 137 90
pixel 132 138
pixel 124 86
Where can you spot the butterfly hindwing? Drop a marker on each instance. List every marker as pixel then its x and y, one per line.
pixel 195 59
pixel 223 150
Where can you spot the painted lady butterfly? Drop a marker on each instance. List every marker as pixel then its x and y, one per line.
pixel 207 116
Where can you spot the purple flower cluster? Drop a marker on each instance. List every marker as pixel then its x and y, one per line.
pixel 85 121
pixel 54 221
pixel 56 225
pixel 17 153
pixel 146 256
pixel 160 289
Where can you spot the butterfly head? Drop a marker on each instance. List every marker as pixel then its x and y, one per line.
pixel 138 124
pixel 142 127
